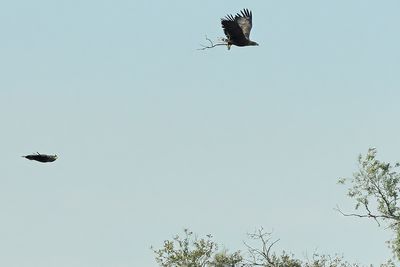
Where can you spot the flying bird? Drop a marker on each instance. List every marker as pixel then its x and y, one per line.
pixel 41 157
pixel 237 29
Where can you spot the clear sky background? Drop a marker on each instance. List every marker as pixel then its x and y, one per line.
pixel 154 136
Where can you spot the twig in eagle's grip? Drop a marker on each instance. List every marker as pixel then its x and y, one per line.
pixel 204 47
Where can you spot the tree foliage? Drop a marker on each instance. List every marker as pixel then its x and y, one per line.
pixel 190 251
pixel 375 188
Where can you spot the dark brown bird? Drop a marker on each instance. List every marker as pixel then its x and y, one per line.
pixel 237 29
pixel 41 157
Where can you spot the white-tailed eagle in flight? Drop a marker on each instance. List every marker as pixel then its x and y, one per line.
pixel 237 29
pixel 41 157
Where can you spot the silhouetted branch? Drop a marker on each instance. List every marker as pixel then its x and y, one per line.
pixel 368 215
pixel 212 45
pixel 259 256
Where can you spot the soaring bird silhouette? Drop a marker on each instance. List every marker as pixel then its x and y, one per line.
pixel 41 157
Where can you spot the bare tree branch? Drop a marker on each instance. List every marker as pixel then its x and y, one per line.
pixel 261 257
pixel 212 45
pixel 368 215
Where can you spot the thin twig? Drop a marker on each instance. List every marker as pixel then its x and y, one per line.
pixel 259 257
pixel 269 248
pixel 369 215
pixel 212 45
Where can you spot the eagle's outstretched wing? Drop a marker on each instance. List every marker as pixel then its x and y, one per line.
pixel 245 21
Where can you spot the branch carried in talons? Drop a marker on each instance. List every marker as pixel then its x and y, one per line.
pixel 212 45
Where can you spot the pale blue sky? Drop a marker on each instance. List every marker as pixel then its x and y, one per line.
pixel 154 136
